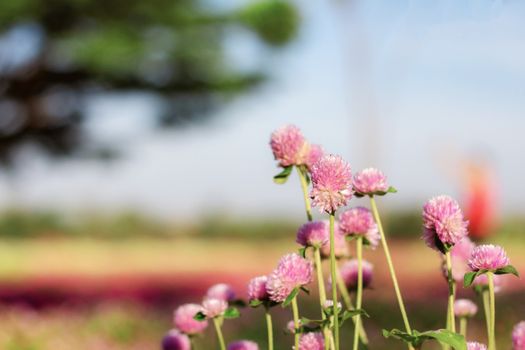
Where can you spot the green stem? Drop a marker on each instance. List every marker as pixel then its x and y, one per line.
pixel 295 310
pixel 304 186
pixel 333 270
pixel 486 308
pixel 348 303
pixel 463 326
pixel 322 293
pixel 217 323
pixel 270 329
pixel 359 296
pixel 451 294
pixel 492 302
pixel 391 267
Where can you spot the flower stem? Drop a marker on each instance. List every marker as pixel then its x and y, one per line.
pixel 270 329
pixel 348 303
pixel 304 186
pixel 486 308
pixel 359 296
pixel 451 294
pixel 391 267
pixel 217 323
pixel 492 303
pixel 463 326
pixel 295 310
pixel 322 293
pixel 333 271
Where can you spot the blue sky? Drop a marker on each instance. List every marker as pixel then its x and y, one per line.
pixel 411 87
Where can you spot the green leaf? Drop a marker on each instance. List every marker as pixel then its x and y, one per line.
pixel 347 314
pixel 199 316
pixel 469 278
pixel 392 189
pixel 290 297
pixel 282 177
pixel 400 335
pixel 306 290
pixel 231 312
pixel 302 252
pixel 255 303
pixel 509 269
pixel 455 340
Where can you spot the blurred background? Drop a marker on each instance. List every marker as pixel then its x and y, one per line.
pixel 134 142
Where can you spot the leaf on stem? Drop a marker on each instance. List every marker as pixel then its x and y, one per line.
pixel 199 316
pixel 231 312
pixel 509 269
pixel 282 177
pixel 290 297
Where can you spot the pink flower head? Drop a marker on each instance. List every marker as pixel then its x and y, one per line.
pixel 212 307
pixel 313 234
pixel 288 145
pixel 290 326
pixel 340 245
pixel 311 341
pixel 488 257
pixel 243 345
pixel 184 321
pixel 465 308
pixel 332 183
pixel 518 336
pixel 359 221
pixel 370 181
pixel 314 154
pixel 257 288
pixel 221 291
pixel 443 221
pixel 349 273
pixel 291 272
pixel 472 345
pixel 175 340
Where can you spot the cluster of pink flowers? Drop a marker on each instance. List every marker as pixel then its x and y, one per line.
pixel 465 308
pixel 360 222
pixel 175 340
pixel 314 234
pixel 348 272
pixel 292 271
pixel 472 345
pixel 370 181
pixel 289 147
pixel 488 257
pixel 183 319
pixel 243 345
pixel 311 341
pixel 257 289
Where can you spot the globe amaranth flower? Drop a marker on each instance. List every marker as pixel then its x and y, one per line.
pixel 212 307
pixel 184 321
pixel 370 181
pixel 221 291
pixel 518 336
pixel 313 155
pixel 290 326
pixel 292 271
pixel 340 244
pixel 465 308
pixel 257 288
pixel 443 222
pixel 175 340
pixel 311 341
pixel 488 257
pixel 313 234
pixel 243 345
pixel 472 345
pixel 289 146
pixel 349 273
pixel 331 182
pixel 360 222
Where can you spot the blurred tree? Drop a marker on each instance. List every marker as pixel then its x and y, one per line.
pixel 54 52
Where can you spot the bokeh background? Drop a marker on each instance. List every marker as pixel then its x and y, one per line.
pixel 136 171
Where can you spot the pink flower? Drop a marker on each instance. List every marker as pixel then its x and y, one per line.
pixel 288 145
pixel 472 345
pixel 443 221
pixel 464 308
pixel 257 288
pixel 314 154
pixel 311 341
pixel 212 307
pixel 369 181
pixel 175 340
pixel 291 272
pixel 340 246
pixel 221 291
pixel 488 257
pixel 313 234
pixel 243 345
pixel 349 273
pixel 359 221
pixel 332 183
pixel 184 321
pixel 518 336
pixel 463 249
pixel 290 326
